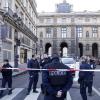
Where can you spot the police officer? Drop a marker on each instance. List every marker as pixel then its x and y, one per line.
pixel 92 63
pixel 7 76
pixel 33 74
pixel 85 79
pixel 57 83
pixel 44 61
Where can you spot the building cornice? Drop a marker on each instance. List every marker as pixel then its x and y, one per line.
pixel 74 14
pixel 68 25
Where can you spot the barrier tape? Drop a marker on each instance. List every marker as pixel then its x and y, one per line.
pixel 31 69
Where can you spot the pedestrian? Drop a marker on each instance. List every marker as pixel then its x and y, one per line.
pixel 46 60
pixel 85 79
pixel 92 63
pixel 7 76
pixel 33 74
pixel 56 83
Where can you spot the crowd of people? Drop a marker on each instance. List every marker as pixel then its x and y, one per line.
pixel 55 83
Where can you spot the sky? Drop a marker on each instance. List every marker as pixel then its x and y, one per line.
pixel 78 5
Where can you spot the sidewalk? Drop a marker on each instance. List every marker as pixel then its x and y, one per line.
pixel 17 72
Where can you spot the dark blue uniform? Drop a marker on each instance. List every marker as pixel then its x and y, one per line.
pixel 55 81
pixel 85 80
pixel 43 62
pixel 7 77
pixel 33 75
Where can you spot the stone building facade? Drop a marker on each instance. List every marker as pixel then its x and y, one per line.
pixel 79 32
pixel 17 30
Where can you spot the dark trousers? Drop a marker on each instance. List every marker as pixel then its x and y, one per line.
pixel 83 87
pixel 7 80
pixel 49 97
pixel 90 84
pixel 33 81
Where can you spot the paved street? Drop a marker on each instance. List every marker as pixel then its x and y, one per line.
pixel 20 83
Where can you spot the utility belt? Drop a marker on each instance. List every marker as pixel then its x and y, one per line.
pixel 86 81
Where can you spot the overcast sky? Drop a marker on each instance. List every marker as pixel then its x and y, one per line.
pixel 78 5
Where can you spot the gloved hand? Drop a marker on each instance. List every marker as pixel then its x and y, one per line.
pixel 59 94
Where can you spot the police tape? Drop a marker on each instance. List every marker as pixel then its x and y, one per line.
pixel 50 69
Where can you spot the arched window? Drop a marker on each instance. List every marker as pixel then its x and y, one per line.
pixel 41 34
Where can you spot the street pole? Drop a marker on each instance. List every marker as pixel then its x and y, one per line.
pixel 76 54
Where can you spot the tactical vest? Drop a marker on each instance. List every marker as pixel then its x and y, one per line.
pixel 57 78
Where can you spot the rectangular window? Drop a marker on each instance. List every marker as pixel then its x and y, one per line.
pixel 6 31
pixel 10 32
pixel 48 20
pixel 48 32
pixel 94 31
pixel 7 55
pixel 63 32
pixel 87 33
pixel 63 20
pixel 87 19
pixel 79 31
pixel 41 20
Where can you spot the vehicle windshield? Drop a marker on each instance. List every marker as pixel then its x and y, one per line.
pixel 68 61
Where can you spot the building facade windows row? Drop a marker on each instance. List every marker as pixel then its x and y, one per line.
pixel 65 20
pixel 79 32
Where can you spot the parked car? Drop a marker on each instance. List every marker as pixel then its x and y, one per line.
pixel 72 64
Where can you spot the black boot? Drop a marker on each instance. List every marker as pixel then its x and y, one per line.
pixel 1 93
pixel 10 92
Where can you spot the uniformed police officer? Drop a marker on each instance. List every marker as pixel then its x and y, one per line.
pixel 33 74
pixel 57 83
pixel 85 79
pixel 7 76
pixel 44 61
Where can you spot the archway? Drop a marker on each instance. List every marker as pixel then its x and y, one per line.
pixel 64 49
pixel 48 49
pixel 95 50
pixel 80 49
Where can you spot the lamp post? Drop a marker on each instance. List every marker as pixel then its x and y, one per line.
pixel 17 41
pixel 77 46
pixel 41 47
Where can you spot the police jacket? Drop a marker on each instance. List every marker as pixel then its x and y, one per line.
pixel 85 75
pixel 34 65
pixel 92 63
pixel 6 72
pixel 45 61
pixel 56 80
